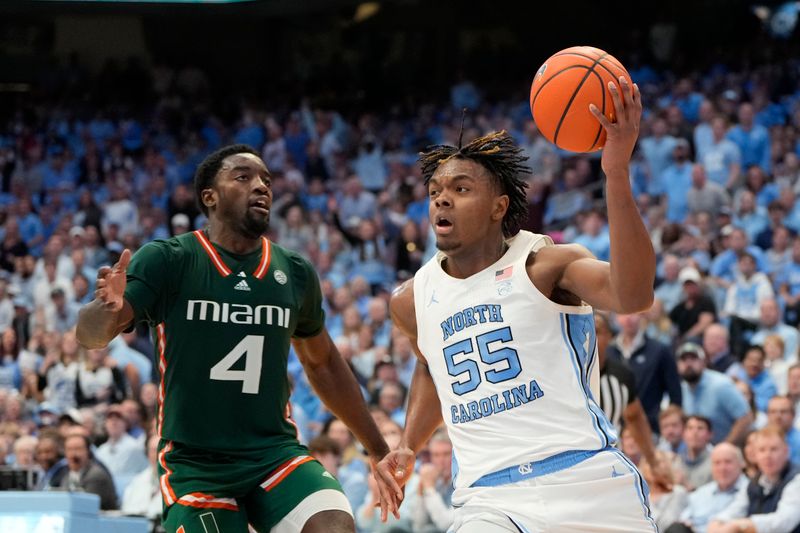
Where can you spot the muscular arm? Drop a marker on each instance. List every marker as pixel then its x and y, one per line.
pixel 97 324
pixel 336 386
pixel 625 284
pixel 109 313
pixel 424 413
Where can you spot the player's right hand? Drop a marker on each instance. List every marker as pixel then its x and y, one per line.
pixel 111 283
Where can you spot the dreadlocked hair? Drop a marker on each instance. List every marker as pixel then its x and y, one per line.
pixel 497 153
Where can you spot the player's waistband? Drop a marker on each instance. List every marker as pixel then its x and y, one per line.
pixel 550 465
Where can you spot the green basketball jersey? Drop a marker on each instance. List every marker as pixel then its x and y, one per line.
pixel 222 326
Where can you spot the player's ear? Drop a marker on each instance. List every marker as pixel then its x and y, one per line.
pixel 500 207
pixel 209 198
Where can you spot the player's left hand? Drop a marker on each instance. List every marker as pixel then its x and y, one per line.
pixel 621 134
pixel 391 492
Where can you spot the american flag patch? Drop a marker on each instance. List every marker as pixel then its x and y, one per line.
pixel 500 275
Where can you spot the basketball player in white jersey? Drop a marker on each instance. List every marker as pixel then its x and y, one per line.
pixel 503 327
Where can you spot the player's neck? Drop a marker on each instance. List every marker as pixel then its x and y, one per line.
pixel 231 240
pixel 465 263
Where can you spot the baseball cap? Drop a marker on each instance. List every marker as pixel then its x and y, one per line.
pixel 689 273
pixel 77 231
pixel 691 348
pixel 72 414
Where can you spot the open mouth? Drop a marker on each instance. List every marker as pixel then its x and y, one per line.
pixel 443 225
pixel 260 205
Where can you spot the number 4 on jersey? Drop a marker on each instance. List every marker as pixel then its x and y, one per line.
pixel 252 347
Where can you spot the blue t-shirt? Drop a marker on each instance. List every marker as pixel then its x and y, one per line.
pixel 715 397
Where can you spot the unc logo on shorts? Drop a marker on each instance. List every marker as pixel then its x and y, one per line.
pixel 525 469
pixel 280 277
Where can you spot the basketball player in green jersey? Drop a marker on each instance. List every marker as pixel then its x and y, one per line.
pixel 224 304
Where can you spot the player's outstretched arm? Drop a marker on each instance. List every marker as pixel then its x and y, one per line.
pixel 108 314
pixel 625 284
pixel 336 386
pixel 424 414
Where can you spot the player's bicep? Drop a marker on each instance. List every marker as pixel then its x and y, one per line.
pixel 590 280
pixel 311 316
pixel 314 350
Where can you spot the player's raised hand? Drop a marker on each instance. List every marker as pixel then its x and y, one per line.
pixel 392 473
pixel 111 283
pixel 621 134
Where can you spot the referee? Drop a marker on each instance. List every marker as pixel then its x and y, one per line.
pixel 620 402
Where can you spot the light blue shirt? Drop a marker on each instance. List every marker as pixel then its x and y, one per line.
pixel 716 398
pixel 790 336
pixel 708 500
pixel 676 181
pixel 763 390
pixel 717 159
pixel 724 265
pixel 658 155
pixel 754 145
pixel 599 245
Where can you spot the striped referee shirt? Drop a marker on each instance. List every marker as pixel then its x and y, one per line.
pixel 617 391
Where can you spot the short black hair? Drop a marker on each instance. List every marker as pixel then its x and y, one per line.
pixel 499 154
pixel 208 169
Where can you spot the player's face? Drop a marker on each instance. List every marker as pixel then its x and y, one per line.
pixel 243 190
pixel 466 206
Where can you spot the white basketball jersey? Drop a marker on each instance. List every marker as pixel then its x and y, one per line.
pixel 512 368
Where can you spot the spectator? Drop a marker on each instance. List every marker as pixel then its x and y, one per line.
pixel 769 505
pixel 705 196
pixel 142 497
pixel 781 413
pixel 594 235
pixel 657 149
pixel 712 395
pixel 671 424
pixel 779 253
pixel 696 311
pixel 771 323
pixel 718 354
pixel 752 139
pixel 697 457
pixel 24 452
pixel 49 457
pixel 666 503
pixel 742 304
pixel 434 510
pixel 713 497
pixel 84 474
pixel 722 158
pixel 777 366
pixel 723 267
pixel 651 362
pixel 793 391
pixel 788 282
pixel 670 288
pixel 328 453
pixel 757 377
pixel 123 455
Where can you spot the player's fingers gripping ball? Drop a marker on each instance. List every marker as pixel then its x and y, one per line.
pixel 562 90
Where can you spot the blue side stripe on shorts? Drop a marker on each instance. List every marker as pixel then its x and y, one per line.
pixel 641 488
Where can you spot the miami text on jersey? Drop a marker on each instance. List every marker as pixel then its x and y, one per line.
pixel 471 316
pixel 238 313
pixel 496 403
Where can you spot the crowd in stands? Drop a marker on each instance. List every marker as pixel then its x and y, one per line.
pixel 715 360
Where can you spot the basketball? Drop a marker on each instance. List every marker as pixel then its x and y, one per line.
pixel 562 90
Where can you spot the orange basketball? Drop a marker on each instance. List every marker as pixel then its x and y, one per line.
pixel 562 90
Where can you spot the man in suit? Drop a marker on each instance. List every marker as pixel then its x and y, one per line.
pixel 85 474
